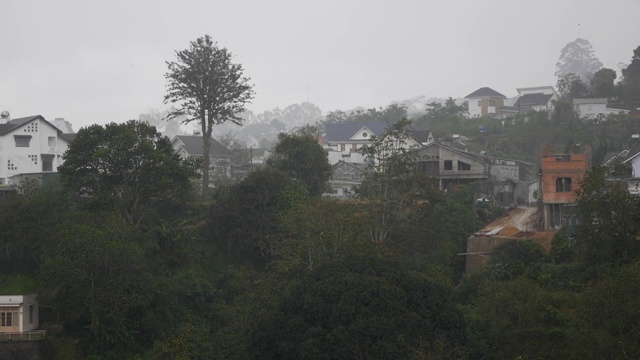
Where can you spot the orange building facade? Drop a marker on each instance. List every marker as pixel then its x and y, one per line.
pixel 560 179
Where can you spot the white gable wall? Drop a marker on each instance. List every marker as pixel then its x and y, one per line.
pixel 16 160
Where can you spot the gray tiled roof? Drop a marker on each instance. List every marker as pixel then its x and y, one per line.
pixel 344 131
pixel 535 99
pixel 16 123
pixel 484 92
pixel 193 145
pixel 68 137
pixel 421 136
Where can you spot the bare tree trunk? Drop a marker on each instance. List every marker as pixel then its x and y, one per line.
pixel 206 144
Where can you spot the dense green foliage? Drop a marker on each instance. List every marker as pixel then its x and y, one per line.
pixel 300 156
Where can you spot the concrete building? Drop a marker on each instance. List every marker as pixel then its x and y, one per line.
pixel 560 178
pixel 485 102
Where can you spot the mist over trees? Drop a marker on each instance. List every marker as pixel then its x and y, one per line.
pixel 578 57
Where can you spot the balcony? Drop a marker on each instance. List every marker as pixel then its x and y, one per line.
pixel 35 335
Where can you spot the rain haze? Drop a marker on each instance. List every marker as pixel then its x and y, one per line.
pixel 100 62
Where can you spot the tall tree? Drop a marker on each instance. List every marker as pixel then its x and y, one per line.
pixel 602 84
pixel 630 83
pixel 392 180
pixel 209 88
pixel 578 57
pixel 130 166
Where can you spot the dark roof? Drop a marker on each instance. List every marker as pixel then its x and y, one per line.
pixel 534 99
pixel 484 92
pixel 421 136
pixel 193 145
pixel 633 152
pixel 344 131
pixel 68 137
pixel 16 123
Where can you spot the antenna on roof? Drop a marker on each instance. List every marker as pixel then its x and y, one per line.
pixel 4 117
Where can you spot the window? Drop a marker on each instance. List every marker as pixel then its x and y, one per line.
pixel 364 134
pixel 8 318
pixel 30 313
pixel 448 164
pixel 354 146
pixel 563 184
pixel 22 140
pixel 342 147
pixel 463 165
pixel 52 142
pixel 47 162
pixel 492 103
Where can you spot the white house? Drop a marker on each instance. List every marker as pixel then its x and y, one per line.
pixel 30 145
pixel 485 102
pixel 344 141
pixel 595 108
pixel 18 313
pixel 539 98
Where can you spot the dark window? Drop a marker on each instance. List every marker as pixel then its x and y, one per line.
pixel 30 313
pixel 22 140
pixel 463 165
pixel 563 184
pixel 47 162
pixel 341 147
pixel 448 164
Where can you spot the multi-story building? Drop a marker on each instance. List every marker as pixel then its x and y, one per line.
pixel 560 176
pixel 485 102
pixel 30 147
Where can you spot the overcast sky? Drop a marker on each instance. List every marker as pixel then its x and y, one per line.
pixel 102 61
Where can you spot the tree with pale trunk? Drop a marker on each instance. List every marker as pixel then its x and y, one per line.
pixel 206 86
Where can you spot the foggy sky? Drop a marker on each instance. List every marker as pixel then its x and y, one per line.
pixel 102 61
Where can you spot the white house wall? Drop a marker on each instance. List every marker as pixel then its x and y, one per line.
pixel 475 110
pixel 20 160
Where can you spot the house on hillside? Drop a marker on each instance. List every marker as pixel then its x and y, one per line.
pixel 451 167
pixel 538 98
pixel 560 180
pixel 633 158
pixel 344 177
pixel 192 146
pixel 595 108
pixel 18 314
pixel 31 146
pixel 344 141
pixel 485 102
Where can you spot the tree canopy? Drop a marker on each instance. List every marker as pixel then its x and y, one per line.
pixel 208 87
pixel 578 57
pixel 128 165
pixel 300 156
